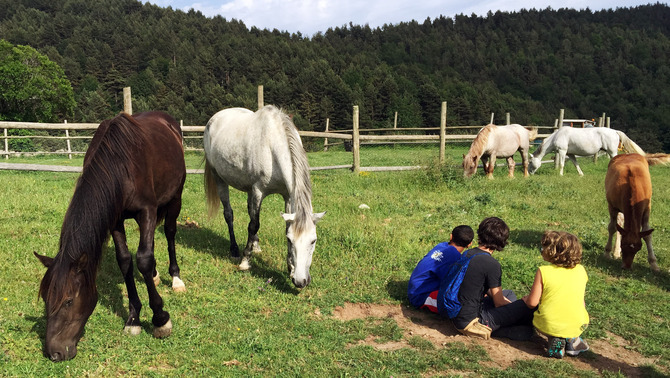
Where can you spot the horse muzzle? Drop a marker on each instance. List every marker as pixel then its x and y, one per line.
pixel 300 283
pixel 61 355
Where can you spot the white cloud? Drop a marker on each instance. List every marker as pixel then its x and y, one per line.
pixel 311 16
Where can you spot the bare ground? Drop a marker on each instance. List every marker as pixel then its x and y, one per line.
pixel 612 354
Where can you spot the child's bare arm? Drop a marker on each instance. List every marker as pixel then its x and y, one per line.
pixel 533 298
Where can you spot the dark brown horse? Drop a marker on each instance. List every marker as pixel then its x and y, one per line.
pixel 628 192
pixel 134 168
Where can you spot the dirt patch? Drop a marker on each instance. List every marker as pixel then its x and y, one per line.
pixel 612 354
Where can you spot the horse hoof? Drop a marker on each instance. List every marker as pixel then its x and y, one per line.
pixel 245 265
pixel 655 268
pixel 178 285
pixel 157 279
pixel 163 331
pixel 132 330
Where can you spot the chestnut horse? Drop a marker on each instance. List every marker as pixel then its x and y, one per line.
pixel 498 141
pixel 133 168
pixel 628 192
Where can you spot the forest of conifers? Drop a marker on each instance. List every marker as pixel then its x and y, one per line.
pixel 530 63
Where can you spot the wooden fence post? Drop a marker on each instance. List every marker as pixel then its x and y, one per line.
pixel 6 146
pixel 492 114
pixel 356 142
pixel 67 140
pixel 127 101
pixel 443 130
pixel 261 102
pixel 507 119
pixel 325 140
pixel 395 121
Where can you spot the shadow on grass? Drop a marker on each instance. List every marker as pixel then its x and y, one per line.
pixel 526 238
pixel 640 271
pixel 207 241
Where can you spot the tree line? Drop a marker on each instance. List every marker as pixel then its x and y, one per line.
pixel 529 63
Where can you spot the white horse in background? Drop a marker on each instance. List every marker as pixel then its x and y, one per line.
pixel 571 142
pixel 493 142
pixel 261 153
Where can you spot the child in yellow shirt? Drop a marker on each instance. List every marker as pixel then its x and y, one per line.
pixel 558 292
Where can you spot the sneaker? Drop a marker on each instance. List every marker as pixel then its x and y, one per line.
pixel 575 346
pixel 556 347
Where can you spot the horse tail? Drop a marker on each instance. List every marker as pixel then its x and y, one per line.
pixel 210 191
pixel 532 133
pixel 655 159
pixel 628 144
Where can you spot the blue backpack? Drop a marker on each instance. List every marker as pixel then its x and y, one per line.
pixel 447 297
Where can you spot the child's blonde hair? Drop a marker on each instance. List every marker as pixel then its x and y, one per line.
pixel 561 248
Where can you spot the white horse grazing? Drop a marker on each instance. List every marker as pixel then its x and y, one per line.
pixel 568 141
pixel 494 141
pixel 261 153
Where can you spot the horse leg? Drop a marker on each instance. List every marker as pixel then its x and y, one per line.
pixel 561 161
pixel 573 159
pixel 524 162
pixel 254 200
pixel 146 264
pixel 491 167
pixel 224 194
pixel 170 230
pixel 510 166
pixel 485 163
pixel 125 261
pixel 647 240
pixel 611 229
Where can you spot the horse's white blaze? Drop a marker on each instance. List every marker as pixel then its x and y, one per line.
pixel 178 285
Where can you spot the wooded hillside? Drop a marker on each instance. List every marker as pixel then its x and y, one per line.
pixel 530 63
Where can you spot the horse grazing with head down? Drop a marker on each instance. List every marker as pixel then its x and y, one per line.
pixel 261 153
pixel 572 142
pixel 628 192
pixel 133 168
pixel 498 141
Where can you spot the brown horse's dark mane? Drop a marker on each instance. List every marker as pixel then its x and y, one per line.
pixel 96 205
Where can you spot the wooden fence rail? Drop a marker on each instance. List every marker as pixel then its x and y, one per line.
pixel 353 136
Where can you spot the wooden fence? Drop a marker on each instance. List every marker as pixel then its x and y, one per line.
pixel 356 136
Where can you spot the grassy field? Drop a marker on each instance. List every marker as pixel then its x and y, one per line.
pixel 232 323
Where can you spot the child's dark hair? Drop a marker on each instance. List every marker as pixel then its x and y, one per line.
pixel 493 233
pixel 462 235
pixel 561 248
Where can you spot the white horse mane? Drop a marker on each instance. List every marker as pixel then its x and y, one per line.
pixel 301 198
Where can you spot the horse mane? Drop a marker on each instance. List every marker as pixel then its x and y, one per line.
pixel 302 185
pixel 479 143
pixel 95 205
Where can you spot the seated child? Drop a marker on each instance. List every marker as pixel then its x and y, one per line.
pixel 425 279
pixel 559 290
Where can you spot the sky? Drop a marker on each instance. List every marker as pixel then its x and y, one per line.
pixel 311 16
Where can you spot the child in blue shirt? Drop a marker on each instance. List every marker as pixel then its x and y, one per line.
pixel 425 280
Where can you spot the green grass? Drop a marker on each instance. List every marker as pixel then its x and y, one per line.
pixel 256 323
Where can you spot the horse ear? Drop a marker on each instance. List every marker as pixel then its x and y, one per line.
pixel 45 260
pixel 646 233
pixel 317 216
pixel 288 217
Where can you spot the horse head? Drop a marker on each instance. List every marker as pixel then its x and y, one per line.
pixel 533 163
pixel 470 164
pixel 70 295
pixel 631 243
pixel 301 240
